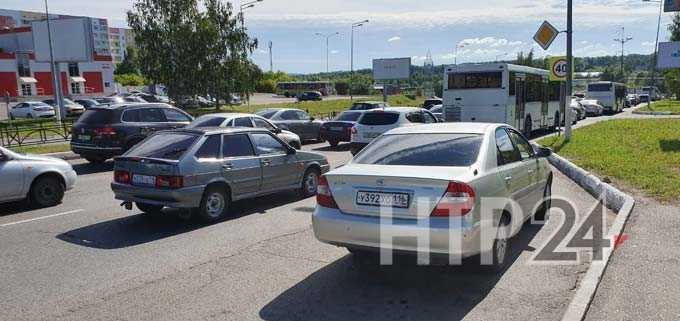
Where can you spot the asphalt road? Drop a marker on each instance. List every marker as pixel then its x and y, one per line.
pixel 89 259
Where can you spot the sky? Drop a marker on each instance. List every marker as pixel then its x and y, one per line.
pixel 483 30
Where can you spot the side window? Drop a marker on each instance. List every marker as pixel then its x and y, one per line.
pixel 243 122
pixel 259 123
pixel 428 118
pixel 131 116
pixel 236 146
pixel 174 116
pixel 230 123
pixel 507 153
pixel 265 144
pixel 415 117
pixel 210 148
pixel 151 115
pixel 301 115
pixel 289 115
pixel 525 149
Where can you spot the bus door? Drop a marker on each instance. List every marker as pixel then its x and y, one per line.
pixel 520 100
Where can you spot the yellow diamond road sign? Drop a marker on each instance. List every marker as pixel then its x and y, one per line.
pixel 558 68
pixel 545 35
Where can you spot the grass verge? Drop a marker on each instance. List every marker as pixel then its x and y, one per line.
pixel 672 106
pixel 642 153
pixel 43 149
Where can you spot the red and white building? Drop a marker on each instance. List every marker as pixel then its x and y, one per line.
pixel 22 76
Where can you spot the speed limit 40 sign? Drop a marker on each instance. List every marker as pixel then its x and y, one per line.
pixel 558 68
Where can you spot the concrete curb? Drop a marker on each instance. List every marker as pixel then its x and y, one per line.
pixel 614 199
pixel 653 113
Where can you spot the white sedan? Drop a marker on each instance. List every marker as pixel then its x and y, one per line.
pixel 432 180
pixel 31 109
pixel 39 179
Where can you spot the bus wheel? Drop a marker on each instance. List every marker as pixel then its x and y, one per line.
pixel 527 127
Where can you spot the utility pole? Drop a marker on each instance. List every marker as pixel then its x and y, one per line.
pixel 56 74
pixel 623 41
pixel 570 62
pixel 328 36
pixel 351 59
pixel 271 58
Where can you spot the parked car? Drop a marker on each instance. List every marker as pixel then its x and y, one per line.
pixel 107 131
pixel 340 128
pixel 134 99
pixel 87 103
pixel 592 107
pixel 368 105
pixel 111 100
pixel 41 180
pixel 430 180
pixel 246 120
pixel 294 120
pixel 633 100
pixel 206 169
pixel 31 109
pixel 72 108
pixel 310 96
pixel 644 98
pixel 431 102
pixel 374 123
pixel 578 108
pixel 438 111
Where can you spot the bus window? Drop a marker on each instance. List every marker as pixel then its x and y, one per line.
pixel 475 80
pixel 600 87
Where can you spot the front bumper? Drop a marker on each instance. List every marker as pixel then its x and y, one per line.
pixel 188 197
pixel 366 232
pixel 70 178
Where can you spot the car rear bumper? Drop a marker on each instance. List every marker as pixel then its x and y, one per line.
pixel 82 149
pixel 188 197
pixel 336 136
pixel 366 232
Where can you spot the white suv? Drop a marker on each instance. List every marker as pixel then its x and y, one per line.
pixel 376 122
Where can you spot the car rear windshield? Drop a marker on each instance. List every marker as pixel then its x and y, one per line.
pixel 266 113
pixel 170 146
pixel 348 116
pixel 207 121
pixel 379 118
pixel 440 150
pixel 97 116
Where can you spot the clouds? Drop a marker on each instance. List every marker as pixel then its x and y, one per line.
pixel 491 42
pixel 394 39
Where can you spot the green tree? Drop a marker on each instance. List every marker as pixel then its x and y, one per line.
pixel 130 79
pixel 129 64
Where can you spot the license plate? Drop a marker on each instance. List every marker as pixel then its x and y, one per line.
pixel 371 135
pixel 336 129
pixel 144 180
pixel 84 137
pixel 383 199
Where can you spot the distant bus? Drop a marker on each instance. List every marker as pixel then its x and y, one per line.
pixel 293 89
pixel 502 93
pixel 611 95
pixel 655 93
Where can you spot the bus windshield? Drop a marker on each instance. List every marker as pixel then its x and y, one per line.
pixel 600 87
pixel 476 80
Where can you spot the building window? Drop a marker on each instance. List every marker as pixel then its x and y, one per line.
pixel 26 90
pixel 75 88
pixel 23 65
pixel 73 69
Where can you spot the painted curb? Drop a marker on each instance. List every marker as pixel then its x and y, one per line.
pixel 617 201
pixel 654 113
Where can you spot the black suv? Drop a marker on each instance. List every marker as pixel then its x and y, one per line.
pixel 310 96
pixel 103 132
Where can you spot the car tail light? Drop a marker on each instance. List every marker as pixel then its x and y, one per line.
pixel 105 131
pixel 353 131
pixel 122 177
pixel 172 182
pixel 458 200
pixel 323 194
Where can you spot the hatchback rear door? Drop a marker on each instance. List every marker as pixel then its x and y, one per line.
pixel 240 166
pixel 279 170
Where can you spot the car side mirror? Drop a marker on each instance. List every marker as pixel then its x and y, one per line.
pixel 543 152
pixel 291 151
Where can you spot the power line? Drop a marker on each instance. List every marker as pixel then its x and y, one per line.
pixel 623 41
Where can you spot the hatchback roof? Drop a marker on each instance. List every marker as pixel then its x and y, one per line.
pixel 217 130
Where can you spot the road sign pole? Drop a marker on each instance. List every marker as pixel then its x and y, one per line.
pixel 570 61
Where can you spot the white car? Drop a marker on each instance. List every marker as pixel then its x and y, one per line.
pixel 431 180
pixel 32 109
pixel 374 123
pixel 246 120
pixel 592 107
pixel 40 179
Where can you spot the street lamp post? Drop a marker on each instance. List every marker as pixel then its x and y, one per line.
pixel 245 6
pixel 656 52
pixel 455 53
pixel 56 80
pixel 570 62
pixel 351 59
pixel 328 36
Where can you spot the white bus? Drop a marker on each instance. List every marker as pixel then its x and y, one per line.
pixel 655 93
pixel 611 95
pixel 502 93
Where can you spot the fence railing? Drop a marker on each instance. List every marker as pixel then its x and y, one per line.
pixel 26 133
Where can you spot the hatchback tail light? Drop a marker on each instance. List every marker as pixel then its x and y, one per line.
pixel 122 177
pixel 323 194
pixel 105 131
pixel 171 182
pixel 458 200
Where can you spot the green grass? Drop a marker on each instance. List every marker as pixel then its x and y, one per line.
pixel 643 154
pixel 315 108
pixel 43 149
pixel 672 106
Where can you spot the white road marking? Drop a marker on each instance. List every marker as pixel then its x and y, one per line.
pixel 42 218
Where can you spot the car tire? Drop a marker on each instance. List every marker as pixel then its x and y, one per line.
pixel 546 202
pixel 310 182
pixel 150 209
pixel 95 160
pixel 333 143
pixel 502 248
pixel 29 116
pixel 214 204
pixel 47 191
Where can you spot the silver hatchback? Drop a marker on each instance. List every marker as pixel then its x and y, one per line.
pixel 205 169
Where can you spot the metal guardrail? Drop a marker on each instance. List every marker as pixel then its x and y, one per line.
pixel 34 133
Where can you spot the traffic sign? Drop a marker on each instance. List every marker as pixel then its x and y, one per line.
pixel 671 5
pixel 545 35
pixel 558 68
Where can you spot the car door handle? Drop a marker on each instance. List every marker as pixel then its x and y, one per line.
pixel 228 166
pixel 508 179
pixel 266 162
pixel 531 171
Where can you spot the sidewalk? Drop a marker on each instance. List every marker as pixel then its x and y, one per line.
pixel 642 281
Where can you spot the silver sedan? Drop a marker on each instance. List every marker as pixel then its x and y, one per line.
pixel 431 181
pixel 246 120
pixel 39 179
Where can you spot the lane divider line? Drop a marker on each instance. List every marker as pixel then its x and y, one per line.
pixel 42 218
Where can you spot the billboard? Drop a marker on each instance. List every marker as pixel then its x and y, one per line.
pixel 392 69
pixel 669 55
pixel 671 5
pixel 71 40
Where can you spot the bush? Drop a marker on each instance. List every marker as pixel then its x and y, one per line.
pixel 130 80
